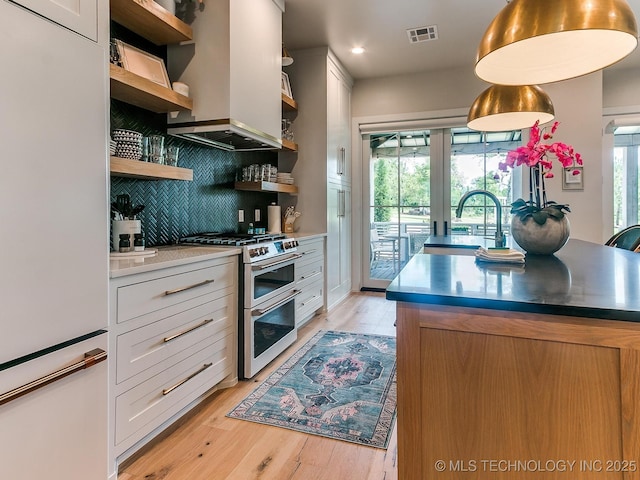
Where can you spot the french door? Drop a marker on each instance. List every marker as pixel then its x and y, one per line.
pixel 413 183
pixel 626 177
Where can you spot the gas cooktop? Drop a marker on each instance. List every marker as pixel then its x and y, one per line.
pixel 230 239
pixel 254 247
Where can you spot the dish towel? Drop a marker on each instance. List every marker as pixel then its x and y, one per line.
pixel 500 255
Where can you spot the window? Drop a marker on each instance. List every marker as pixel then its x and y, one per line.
pixel 626 177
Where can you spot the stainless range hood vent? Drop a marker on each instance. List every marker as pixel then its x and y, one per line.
pixel 232 68
pixel 227 134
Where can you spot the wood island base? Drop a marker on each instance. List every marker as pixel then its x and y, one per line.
pixel 489 394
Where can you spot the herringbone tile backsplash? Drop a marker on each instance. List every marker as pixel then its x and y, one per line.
pixel 175 208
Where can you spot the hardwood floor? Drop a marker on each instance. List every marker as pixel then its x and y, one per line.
pixel 206 445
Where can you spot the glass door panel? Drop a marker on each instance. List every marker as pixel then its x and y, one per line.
pixel 474 166
pixel 416 180
pixel 626 177
pixel 399 196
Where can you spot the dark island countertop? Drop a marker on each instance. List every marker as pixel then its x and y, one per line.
pixel 583 279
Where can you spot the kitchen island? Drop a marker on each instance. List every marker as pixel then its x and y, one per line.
pixel 508 371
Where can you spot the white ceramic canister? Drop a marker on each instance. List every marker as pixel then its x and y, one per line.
pixel 119 227
pixel 169 5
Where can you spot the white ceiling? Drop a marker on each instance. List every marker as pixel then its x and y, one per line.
pixel 380 27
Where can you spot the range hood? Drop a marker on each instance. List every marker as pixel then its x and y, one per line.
pixel 225 134
pixel 233 70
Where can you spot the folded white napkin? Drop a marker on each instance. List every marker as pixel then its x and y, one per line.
pixel 506 255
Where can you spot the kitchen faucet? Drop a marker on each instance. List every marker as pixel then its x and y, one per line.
pixel 500 239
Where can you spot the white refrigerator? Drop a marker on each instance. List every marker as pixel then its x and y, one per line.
pixel 53 250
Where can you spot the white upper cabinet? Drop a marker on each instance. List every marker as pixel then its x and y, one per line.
pixel 81 16
pixel 338 124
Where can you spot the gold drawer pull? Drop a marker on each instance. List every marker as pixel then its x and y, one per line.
pixel 91 358
pixel 182 289
pixel 167 391
pixel 195 327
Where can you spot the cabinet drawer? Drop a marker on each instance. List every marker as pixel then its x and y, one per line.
pixel 308 274
pixel 311 248
pixel 146 406
pixel 189 289
pixel 154 347
pixel 310 300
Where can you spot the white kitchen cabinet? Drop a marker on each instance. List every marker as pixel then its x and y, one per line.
pixel 323 168
pixel 339 238
pixel 52 109
pixel 77 15
pixel 338 130
pixel 309 279
pixel 173 342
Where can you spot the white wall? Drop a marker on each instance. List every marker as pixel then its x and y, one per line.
pixel 578 105
pixel 423 92
pixel 622 88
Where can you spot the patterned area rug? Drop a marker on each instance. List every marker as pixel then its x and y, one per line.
pixel 339 385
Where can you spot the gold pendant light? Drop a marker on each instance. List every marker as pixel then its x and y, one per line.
pixel 287 59
pixel 542 41
pixel 506 107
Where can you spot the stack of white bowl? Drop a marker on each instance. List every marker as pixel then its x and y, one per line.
pixel 128 144
pixel 283 177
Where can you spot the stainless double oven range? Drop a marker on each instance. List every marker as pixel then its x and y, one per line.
pixel 266 310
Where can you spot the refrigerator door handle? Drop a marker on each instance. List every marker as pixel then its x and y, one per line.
pixel 91 358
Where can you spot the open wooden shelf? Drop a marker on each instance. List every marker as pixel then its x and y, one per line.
pixel 289 104
pixel 151 21
pixel 288 145
pixel 266 187
pixel 136 90
pixel 124 167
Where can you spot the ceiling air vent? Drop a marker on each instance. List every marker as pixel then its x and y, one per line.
pixel 423 34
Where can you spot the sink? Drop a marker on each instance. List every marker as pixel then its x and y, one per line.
pixel 443 249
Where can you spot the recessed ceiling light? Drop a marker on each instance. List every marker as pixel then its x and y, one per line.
pixel 357 50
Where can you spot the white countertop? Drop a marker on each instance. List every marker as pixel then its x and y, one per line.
pixel 305 236
pixel 169 256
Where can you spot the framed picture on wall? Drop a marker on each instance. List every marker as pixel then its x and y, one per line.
pixel 286 86
pixel 142 63
pixel 572 178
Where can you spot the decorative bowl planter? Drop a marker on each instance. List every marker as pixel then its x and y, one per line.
pixel 545 239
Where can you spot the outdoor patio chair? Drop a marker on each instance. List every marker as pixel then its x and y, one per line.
pixel 382 248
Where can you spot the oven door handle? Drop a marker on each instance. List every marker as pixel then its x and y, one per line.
pixel 269 265
pixel 258 312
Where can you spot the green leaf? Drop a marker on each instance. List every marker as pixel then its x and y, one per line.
pixel 540 217
pixel 519 203
pixel 555 213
